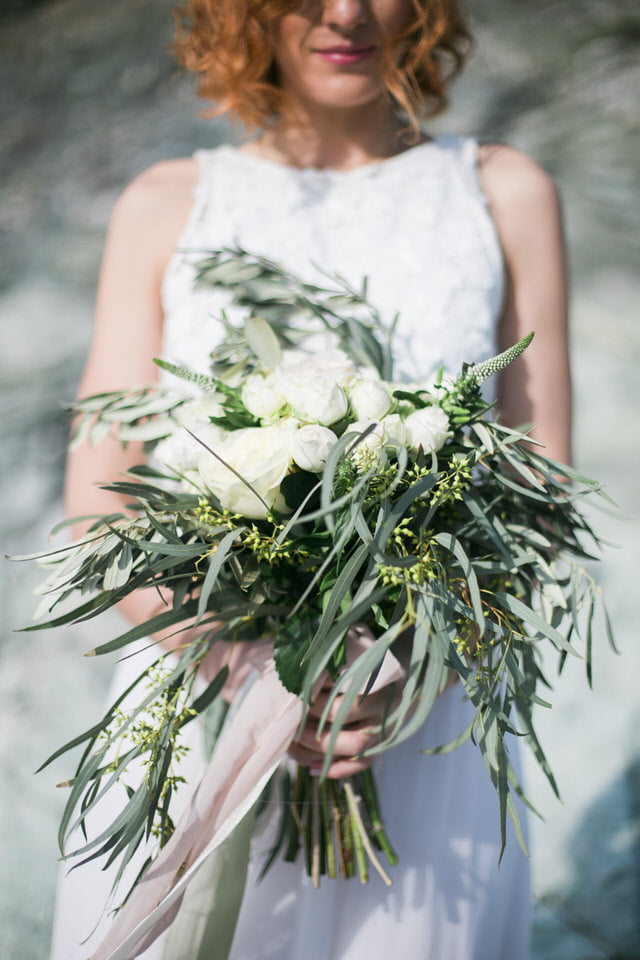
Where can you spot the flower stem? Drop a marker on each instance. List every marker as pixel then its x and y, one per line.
pixel 326 810
pixel 363 838
pixel 316 822
pixel 370 797
pixel 293 845
pixel 357 831
pixel 336 814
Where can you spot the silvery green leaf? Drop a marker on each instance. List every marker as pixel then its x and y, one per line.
pixel 80 432
pixel 153 405
pixel 119 569
pixel 216 561
pixel 151 430
pixel 529 616
pixel 484 436
pixel 97 401
pixel 263 342
pixel 109 542
pixel 99 430
pixel 452 543
pixel 227 272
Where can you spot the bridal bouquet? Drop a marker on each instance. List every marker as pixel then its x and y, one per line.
pixel 376 535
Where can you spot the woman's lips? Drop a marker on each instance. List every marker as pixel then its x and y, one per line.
pixel 344 55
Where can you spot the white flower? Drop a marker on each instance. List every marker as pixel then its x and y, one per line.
pixel 315 400
pixel 261 455
pixel 369 399
pixel 395 432
pixel 262 396
pixel 196 412
pixel 320 402
pixel 311 445
pixel 313 384
pixel 181 451
pixel 332 365
pixel 368 373
pixel 427 428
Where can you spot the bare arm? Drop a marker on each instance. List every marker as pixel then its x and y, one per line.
pixel 144 228
pixel 537 388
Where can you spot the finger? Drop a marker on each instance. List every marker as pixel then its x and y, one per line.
pixel 341 767
pixel 346 768
pixel 348 743
pixel 370 708
pixel 304 756
pixel 359 710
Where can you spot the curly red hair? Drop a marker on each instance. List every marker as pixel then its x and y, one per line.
pixel 227 43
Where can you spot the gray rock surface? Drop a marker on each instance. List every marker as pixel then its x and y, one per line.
pixel 90 97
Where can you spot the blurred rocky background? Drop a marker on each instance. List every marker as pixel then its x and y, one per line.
pixel 89 96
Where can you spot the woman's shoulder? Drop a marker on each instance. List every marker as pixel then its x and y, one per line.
pixel 510 176
pixel 155 206
pixel 522 195
pixel 162 191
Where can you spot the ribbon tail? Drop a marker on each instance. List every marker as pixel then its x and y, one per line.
pixel 207 918
pixel 246 758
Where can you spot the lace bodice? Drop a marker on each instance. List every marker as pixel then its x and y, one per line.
pixel 416 225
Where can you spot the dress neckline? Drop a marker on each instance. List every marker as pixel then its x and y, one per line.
pixel 363 170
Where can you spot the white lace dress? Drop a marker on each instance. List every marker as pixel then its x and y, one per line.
pixel 417 226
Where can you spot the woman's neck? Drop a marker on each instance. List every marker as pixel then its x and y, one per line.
pixel 334 139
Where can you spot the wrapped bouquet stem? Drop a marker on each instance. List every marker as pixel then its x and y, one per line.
pixel 386 536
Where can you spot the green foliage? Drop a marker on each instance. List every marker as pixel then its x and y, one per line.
pixel 292 308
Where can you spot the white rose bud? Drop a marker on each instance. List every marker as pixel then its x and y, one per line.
pixel 262 396
pixel 427 428
pixel 311 445
pixel 369 399
pixel 262 456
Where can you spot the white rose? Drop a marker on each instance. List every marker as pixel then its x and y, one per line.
pixel 262 396
pixel 318 400
pixel 427 428
pixel 369 399
pixel 181 451
pixel 261 455
pixel 311 445
pixel 368 373
pixel 332 365
pixel 313 384
pixel 197 412
pixel 395 432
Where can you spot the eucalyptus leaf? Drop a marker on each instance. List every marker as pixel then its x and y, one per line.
pixel 263 342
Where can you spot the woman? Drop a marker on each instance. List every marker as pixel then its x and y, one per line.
pixel 466 243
